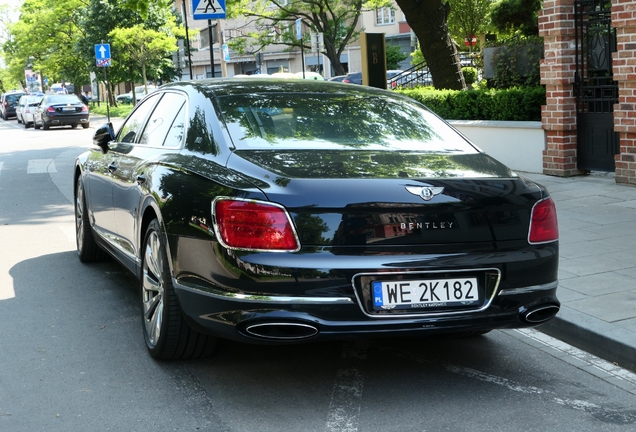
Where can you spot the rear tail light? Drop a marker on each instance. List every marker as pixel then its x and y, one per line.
pixel 544 227
pixel 84 108
pixel 254 225
pixel 50 109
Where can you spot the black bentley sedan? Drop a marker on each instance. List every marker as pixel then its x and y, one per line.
pixel 279 211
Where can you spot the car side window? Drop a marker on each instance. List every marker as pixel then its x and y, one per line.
pixel 162 119
pixel 177 130
pixel 132 127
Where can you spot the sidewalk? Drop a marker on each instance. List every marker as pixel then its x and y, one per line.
pixel 597 268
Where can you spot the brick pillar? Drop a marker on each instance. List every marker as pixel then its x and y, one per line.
pixel 624 65
pixel 558 115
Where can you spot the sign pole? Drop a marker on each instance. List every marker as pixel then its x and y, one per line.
pixel 185 20
pixel 211 47
pixel 107 94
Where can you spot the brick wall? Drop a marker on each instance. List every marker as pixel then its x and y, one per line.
pixel 556 26
pixel 624 64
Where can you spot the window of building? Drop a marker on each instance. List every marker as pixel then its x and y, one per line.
pixel 385 15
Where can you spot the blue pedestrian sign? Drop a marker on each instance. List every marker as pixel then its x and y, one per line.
pixel 208 9
pixel 102 55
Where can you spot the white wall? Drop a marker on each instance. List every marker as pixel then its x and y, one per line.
pixel 517 144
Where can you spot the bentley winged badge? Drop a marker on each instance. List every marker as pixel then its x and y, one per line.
pixel 426 193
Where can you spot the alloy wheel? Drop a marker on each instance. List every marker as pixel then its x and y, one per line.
pixel 152 288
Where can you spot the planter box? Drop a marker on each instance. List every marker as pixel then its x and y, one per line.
pixel 517 144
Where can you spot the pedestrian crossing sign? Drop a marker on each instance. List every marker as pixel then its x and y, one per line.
pixel 208 9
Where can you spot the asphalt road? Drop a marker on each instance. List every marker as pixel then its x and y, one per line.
pixel 72 357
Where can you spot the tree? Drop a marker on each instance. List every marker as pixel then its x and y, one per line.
pixel 142 47
pixel 101 17
pixel 44 37
pixel 394 56
pixel 468 18
pixel 428 20
pixel 517 15
pixel 275 22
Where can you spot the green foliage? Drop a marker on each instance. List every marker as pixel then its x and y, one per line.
pixel 44 37
pixel 470 74
pixel 416 56
pixel 394 56
pixel 522 103
pixel 516 16
pixel 468 18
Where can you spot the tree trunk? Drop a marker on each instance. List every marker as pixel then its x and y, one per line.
pixel 427 19
pixel 334 57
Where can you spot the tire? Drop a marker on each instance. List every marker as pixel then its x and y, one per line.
pixel 26 125
pixel 18 119
pixel 87 248
pixel 45 126
pixel 74 126
pixel 167 335
pixel 85 125
pixel 36 125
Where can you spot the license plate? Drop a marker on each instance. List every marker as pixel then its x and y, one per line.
pixel 427 293
pixel 68 109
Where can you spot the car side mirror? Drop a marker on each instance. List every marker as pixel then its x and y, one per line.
pixel 104 135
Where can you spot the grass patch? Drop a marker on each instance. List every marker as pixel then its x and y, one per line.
pixel 119 111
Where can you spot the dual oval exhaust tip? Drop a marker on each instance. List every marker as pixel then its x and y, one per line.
pixel 540 314
pixel 282 331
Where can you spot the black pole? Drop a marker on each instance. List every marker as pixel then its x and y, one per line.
pixel 302 55
pixel 185 19
pixel 211 47
pixel 107 96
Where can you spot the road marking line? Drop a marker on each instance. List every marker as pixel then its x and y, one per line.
pixel 622 417
pixel 346 398
pixel 39 166
pixel 585 357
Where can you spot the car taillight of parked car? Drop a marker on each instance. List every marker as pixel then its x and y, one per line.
pixel 84 109
pixel 544 227
pixel 254 225
pixel 50 109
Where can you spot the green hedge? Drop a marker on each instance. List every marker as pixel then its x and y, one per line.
pixel 523 104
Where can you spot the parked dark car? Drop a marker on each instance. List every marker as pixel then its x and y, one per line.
pixel 356 77
pixel 61 110
pixel 338 78
pixel 9 103
pixel 279 211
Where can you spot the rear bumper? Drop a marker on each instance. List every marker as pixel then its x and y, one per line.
pixel 293 321
pixel 65 120
pixel 269 298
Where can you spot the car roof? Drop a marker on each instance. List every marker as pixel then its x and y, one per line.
pixel 237 86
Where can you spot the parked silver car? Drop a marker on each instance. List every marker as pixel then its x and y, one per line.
pixel 26 108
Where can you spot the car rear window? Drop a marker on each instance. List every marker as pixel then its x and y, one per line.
pixel 63 99
pixel 336 120
pixel 13 97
